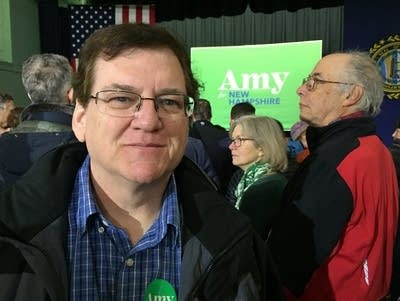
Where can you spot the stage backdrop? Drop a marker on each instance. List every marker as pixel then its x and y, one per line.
pixel 375 26
pixel 266 75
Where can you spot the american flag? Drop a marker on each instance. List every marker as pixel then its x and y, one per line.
pixel 85 19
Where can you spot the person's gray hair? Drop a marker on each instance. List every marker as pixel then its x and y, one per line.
pixel 363 70
pixel 47 78
pixel 267 135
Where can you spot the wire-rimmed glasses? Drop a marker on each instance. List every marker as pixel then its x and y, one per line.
pixel 121 103
pixel 311 82
pixel 239 140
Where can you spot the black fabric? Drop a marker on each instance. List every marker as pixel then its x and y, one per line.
pixel 214 139
pixel 49 112
pixel 260 6
pixel 261 202
pixel 19 151
pixel 196 151
pixel 54 28
pixel 54 23
pixel 181 9
pixel 25 215
pixel 211 223
pixel 23 145
pixel 33 221
pixel 319 224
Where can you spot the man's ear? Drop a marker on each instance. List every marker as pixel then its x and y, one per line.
pixel 260 153
pixel 353 96
pixel 70 96
pixel 79 122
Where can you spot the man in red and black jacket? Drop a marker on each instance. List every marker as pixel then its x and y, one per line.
pixel 334 239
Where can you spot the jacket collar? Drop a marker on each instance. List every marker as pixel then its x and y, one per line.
pixel 350 127
pixel 48 112
pixel 38 201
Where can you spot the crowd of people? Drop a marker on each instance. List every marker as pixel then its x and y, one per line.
pixel 115 184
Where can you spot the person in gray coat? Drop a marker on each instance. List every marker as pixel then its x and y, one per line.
pixel 45 123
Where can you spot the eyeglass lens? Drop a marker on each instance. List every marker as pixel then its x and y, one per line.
pixel 125 104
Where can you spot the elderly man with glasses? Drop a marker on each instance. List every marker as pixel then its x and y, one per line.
pixel 334 238
pixel 122 215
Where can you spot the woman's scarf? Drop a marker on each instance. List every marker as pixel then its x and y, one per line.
pixel 251 175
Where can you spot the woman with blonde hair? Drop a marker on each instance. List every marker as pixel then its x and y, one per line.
pixel 258 147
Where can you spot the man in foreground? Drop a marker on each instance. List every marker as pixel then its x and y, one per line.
pixel 129 220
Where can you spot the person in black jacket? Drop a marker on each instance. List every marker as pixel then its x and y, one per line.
pixel 45 123
pixel 214 138
pixel 196 151
pixel 123 213
pixel 259 148
pixel 334 237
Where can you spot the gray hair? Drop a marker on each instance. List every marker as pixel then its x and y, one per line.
pixel 267 135
pixel 47 78
pixel 364 71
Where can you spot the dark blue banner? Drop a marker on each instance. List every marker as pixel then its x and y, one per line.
pixel 373 26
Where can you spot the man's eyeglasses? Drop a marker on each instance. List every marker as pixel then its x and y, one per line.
pixel 239 140
pixel 124 103
pixel 311 82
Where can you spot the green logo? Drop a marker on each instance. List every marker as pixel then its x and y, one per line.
pixel 160 290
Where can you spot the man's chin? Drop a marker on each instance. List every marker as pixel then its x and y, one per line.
pixel 146 174
pixel 303 117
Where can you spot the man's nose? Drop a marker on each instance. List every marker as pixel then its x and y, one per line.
pixel 146 116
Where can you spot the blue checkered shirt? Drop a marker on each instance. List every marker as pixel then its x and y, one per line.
pixel 103 263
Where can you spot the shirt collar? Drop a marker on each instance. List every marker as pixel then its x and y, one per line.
pixel 87 208
pixel 354 115
pixel 170 213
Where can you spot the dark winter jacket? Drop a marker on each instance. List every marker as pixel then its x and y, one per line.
pixel 261 201
pixel 334 238
pixel 196 151
pixel 215 140
pixel 42 127
pixel 222 258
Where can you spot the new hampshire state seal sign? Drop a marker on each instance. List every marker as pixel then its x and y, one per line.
pixel 386 53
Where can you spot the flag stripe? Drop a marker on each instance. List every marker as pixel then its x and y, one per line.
pixel 146 14
pixel 85 19
pixel 74 63
pixel 118 14
pixel 132 14
pixel 138 14
pixel 152 10
pixel 125 14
